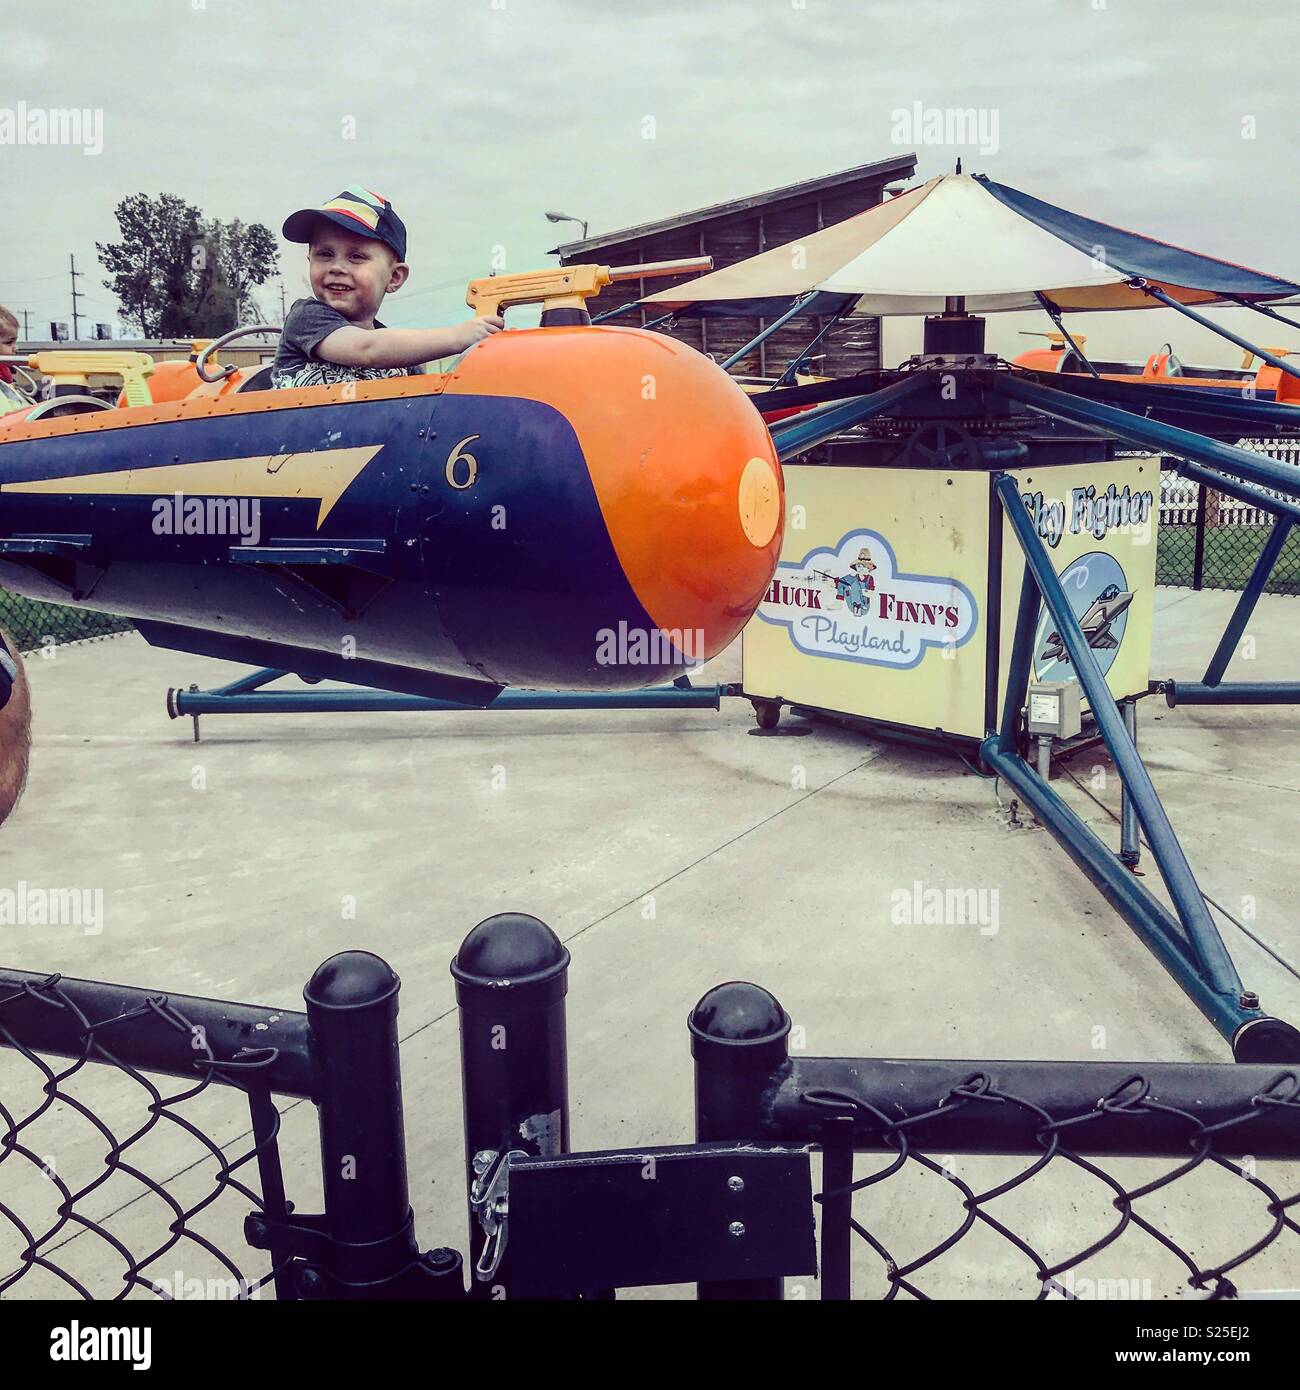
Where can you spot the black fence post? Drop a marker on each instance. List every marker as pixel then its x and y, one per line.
pixel 739 1036
pixel 837 1211
pixel 511 976
pixel 1198 550
pixel 368 1248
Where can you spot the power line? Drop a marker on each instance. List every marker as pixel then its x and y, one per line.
pixel 35 280
pixel 441 285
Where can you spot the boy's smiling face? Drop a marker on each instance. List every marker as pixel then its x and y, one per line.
pixel 352 273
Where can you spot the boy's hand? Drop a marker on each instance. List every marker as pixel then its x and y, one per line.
pixel 403 347
pixel 475 330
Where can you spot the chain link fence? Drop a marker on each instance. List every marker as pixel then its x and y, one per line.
pixel 1004 1180
pixel 1209 541
pixel 127 1172
pixel 112 1185
pixel 35 624
pixel 931 1224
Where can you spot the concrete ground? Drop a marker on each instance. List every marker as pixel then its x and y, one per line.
pixel 670 852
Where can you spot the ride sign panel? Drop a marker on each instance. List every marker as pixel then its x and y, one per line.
pixel 880 606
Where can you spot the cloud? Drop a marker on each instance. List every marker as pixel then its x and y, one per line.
pixel 476 117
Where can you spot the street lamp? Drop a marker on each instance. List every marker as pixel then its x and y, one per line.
pixel 565 217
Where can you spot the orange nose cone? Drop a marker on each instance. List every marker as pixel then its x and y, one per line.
pixel 685 473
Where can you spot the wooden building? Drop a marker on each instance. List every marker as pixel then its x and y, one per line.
pixel 734 231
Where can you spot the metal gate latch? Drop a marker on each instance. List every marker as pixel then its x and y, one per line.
pixel 489 1200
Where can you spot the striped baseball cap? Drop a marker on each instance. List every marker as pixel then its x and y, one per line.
pixel 356 210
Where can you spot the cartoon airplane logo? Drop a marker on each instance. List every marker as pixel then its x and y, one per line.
pixel 1096 623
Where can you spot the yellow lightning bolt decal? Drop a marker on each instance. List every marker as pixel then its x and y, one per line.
pixel 324 474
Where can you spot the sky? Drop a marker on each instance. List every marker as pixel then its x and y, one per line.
pixel 1172 117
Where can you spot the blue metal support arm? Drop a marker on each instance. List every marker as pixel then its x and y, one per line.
pixel 1125 893
pixel 1232 693
pixel 1243 492
pixel 1054 314
pixel 1262 353
pixel 1164 439
pixel 1022 650
pixel 254 680
pixel 1246 603
pixel 1208 948
pixel 1223 410
pixel 768 331
pixel 614 313
pixel 1264 309
pixel 242 697
pixel 635 304
pixel 792 370
pixel 799 432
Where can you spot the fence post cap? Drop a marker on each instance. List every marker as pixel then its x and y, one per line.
pixel 509 950
pixel 739 1012
pixel 1266 1039
pixel 351 980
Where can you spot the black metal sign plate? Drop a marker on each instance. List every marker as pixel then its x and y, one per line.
pixel 623 1218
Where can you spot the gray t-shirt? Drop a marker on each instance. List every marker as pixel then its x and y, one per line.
pixel 307 325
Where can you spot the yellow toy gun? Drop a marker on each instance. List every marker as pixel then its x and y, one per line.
pixel 567 287
pixel 75 368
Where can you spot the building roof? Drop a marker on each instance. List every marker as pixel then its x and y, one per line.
pixel 901 165
pixel 118 344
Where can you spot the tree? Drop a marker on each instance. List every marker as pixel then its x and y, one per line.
pixel 177 275
pixel 150 264
pixel 231 260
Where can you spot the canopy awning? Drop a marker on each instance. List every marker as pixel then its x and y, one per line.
pixel 964 235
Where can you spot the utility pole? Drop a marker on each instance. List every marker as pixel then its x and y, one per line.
pixel 76 275
pixel 282 308
pixel 27 334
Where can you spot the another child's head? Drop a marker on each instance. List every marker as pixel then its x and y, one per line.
pixel 8 332
pixel 356 251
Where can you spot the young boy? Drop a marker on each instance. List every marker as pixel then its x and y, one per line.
pixel 357 255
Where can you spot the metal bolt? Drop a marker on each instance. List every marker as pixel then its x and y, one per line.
pixel 440 1259
pixel 737 1228
pixel 1249 999
pixel 310 1284
pixel 483 1161
pixel 736 1184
